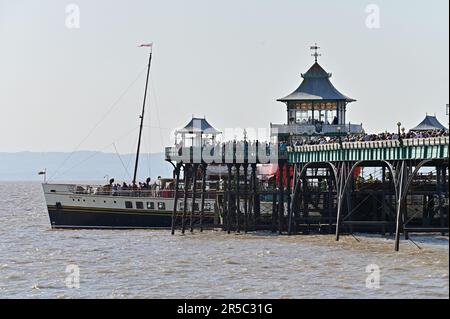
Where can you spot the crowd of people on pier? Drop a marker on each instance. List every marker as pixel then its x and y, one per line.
pixel 247 146
pixel 371 137
pixel 230 147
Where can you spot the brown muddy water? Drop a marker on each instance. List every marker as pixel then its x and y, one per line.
pixel 154 264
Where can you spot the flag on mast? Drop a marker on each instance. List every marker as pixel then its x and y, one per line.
pixel 146 45
pixel 43 172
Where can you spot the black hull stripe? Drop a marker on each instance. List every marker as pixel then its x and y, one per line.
pixel 78 219
pixel 107 227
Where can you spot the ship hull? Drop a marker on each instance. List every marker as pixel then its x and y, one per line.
pixel 81 211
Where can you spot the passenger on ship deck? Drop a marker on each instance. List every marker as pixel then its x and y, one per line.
pixel 114 190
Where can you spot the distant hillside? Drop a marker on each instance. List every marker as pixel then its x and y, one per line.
pixel 81 166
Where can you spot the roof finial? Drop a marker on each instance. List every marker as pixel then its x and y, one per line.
pixel 315 54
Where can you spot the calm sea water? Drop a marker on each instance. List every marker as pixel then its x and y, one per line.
pixel 154 264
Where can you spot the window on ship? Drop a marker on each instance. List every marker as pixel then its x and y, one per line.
pixel 139 205
pixel 128 205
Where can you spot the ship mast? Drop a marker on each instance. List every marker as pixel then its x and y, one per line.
pixel 142 115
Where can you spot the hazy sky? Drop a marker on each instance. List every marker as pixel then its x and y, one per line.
pixel 229 60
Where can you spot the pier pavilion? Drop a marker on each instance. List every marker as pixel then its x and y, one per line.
pixel 430 123
pixel 315 108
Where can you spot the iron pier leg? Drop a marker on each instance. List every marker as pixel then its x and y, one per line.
pixel 401 183
pixel 288 189
pixel 340 197
pixel 238 198
pixel 175 200
pixel 186 193
pixel 293 198
pixel 229 185
pixel 202 210
pixel 439 186
pixel 256 208
pixel 246 197
pixel 281 199
pixel 330 203
pixel 274 208
pixel 194 195
pixel 444 194
pixel 306 195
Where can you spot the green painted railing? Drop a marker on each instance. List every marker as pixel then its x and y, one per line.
pixel 409 149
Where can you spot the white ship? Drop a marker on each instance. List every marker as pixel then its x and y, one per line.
pixel 89 206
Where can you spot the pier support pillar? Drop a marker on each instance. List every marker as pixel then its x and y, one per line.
pixel 293 198
pixel 329 201
pixel 229 196
pixel 341 190
pixel 306 198
pixel 186 173
pixel 288 190
pixel 402 172
pixel 238 198
pixel 274 206
pixel 440 187
pixel 281 198
pixel 202 209
pixel 246 192
pixel 175 199
pixel 194 195
pixel 255 199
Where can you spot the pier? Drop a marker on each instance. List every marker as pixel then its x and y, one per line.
pixel 318 186
pixel 321 192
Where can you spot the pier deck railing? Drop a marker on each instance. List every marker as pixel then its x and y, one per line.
pixel 227 153
pixel 421 148
pixel 412 149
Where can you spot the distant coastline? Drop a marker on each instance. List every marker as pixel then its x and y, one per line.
pixel 81 166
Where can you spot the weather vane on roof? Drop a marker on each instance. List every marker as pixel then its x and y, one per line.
pixel 315 54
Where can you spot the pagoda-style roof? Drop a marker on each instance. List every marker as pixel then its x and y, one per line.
pixel 430 123
pixel 316 86
pixel 198 126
